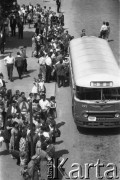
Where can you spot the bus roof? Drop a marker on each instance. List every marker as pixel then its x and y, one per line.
pixel 92 60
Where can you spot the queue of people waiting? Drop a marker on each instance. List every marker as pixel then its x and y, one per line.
pixel 49 43
pixel 29 14
pixel 16 131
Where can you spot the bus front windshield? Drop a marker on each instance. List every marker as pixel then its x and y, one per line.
pixel 102 94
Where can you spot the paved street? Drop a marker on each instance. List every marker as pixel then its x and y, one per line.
pixel 88 146
pixel 79 147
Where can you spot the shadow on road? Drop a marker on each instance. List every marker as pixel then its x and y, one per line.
pixel 14 42
pixel 60 124
pixel 5 53
pixel 99 132
pixel 31 71
pixel 17 77
pixel 5 152
pixel 59 142
pixel 110 40
pixel 45 1
pixel 2 56
pixel 60 153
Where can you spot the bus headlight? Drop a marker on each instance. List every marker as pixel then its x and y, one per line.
pixel 85 115
pixel 117 115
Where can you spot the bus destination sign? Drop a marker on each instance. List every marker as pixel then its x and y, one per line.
pixel 101 84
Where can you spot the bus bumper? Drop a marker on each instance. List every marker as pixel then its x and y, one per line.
pixel 108 123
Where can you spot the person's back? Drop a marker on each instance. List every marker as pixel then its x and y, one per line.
pixel 108 30
pixel 59 68
pixel 59 57
pixel 19 61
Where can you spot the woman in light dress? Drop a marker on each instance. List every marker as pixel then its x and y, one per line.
pixel 33 45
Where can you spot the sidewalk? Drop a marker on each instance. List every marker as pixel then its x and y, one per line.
pixel 8 168
pixel 13 44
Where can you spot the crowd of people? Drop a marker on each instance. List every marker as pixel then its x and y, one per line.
pixel 30 136
pixel 15 111
pixel 50 43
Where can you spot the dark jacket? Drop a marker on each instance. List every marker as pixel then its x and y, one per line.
pixel 13 23
pixel 20 25
pixel 19 61
pixel 60 70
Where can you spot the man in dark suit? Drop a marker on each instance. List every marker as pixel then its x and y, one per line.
pixel 20 29
pixel 60 74
pixel 19 62
pixel 13 25
pixel 58 2
pixel 61 19
pixel 2 41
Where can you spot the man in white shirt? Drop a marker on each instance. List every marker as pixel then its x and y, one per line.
pixel 1 83
pixel 103 31
pixel 30 7
pixel 42 69
pixel 48 63
pixel 9 61
pixel 45 106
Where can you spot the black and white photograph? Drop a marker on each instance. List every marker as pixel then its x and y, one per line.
pixel 59 90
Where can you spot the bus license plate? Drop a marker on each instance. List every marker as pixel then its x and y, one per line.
pixel 90 118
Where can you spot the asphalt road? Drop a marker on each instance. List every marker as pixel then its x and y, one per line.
pixel 85 146
pixel 88 146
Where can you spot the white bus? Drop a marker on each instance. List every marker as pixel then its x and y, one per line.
pixel 95 83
